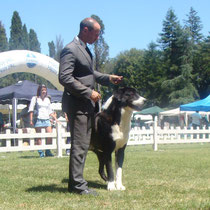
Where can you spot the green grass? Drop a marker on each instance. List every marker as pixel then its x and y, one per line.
pixel 174 177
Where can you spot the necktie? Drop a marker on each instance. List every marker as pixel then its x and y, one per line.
pixel 88 51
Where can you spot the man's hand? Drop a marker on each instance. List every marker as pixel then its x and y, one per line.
pixel 114 79
pixel 95 96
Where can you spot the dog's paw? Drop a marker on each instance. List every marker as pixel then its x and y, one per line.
pixel 111 186
pixel 120 187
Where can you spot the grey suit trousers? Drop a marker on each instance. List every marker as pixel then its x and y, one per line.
pixel 80 127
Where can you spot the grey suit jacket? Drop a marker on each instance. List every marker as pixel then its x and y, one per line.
pixel 78 77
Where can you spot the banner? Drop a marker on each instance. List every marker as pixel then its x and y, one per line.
pixel 31 62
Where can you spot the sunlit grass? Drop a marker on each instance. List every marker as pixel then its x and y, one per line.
pixel 174 177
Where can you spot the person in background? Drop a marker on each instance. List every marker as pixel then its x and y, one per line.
pixel 77 75
pixel 1 122
pixel 53 119
pixel 182 121
pixel 205 121
pixel 25 116
pixel 68 140
pixel 196 119
pixel 25 121
pixel 41 105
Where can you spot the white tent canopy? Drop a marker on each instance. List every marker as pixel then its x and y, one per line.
pixel 171 112
pixel 177 112
pixel 174 112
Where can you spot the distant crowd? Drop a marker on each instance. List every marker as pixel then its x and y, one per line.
pixel 195 120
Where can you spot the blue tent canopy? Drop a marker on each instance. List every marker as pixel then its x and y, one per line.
pixel 202 105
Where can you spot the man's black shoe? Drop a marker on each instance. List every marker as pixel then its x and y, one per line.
pixel 88 192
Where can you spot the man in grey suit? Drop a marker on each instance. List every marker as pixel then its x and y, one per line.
pixel 78 77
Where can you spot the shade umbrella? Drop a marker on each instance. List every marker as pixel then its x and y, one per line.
pixel 154 111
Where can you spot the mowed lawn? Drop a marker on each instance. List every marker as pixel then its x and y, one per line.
pixel 174 177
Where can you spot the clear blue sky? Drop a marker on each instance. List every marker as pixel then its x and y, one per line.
pixel 128 23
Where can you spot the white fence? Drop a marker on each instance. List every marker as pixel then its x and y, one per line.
pixel 20 141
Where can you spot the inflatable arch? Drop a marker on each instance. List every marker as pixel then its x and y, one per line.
pixel 30 62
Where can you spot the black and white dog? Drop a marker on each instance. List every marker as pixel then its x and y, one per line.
pixel 111 133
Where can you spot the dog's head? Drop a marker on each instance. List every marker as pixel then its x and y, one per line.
pixel 128 97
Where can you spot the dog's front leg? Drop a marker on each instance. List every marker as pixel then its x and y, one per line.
pixel 117 135
pixel 110 174
pixel 119 158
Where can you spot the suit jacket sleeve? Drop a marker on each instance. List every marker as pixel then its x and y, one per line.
pixel 66 75
pixel 76 72
pixel 102 79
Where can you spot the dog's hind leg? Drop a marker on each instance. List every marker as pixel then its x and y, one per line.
pixel 100 156
pixel 119 159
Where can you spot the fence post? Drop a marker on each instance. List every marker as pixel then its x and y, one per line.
pixel 155 137
pixel 59 140
pixel 8 141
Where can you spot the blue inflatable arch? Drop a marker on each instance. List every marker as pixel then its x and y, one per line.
pixel 30 62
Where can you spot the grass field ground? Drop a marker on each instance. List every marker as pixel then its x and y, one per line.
pixel 174 177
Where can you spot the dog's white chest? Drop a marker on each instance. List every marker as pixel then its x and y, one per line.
pixel 120 133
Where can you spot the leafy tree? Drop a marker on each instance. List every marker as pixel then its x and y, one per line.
pixel 20 39
pixel 129 64
pixel 109 65
pixel 153 74
pixel 3 38
pixel 55 49
pixel 25 37
pixel 184 90
pixel 100 53
pixel 58 47
pixel 15 41
pixel 177 51
pixel 101 48
pixel 34 44
pixel 193 24
pixel 171 29
pixel 108 68
pixel 51 46
pixel 202 65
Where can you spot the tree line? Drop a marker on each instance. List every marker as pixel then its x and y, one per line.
pixel 173 70
pixel 21 39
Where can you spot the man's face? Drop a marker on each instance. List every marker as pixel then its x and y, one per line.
pixel 93 35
